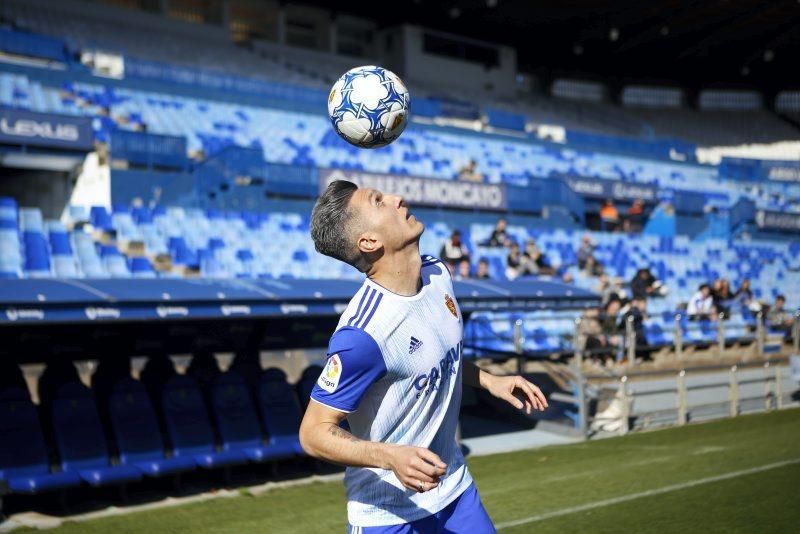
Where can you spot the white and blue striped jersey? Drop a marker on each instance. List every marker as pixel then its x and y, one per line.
pixel 394 366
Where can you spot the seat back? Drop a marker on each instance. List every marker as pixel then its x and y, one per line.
pixel 186 417
pixel 234 412
pixel 76 427
pixel 22 447
pixel 280 409
pixel 306 384
pixel 134 423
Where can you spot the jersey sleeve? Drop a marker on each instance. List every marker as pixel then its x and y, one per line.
pixel 354 363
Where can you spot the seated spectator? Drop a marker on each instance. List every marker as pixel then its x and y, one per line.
pixel 744 295
pixel 603 336
pixel 635 217
pixel 469 172
pixel 464 269
pixel 483 270
pixel 609 216
pixel 643 284
pixel 701 305
pixel 585 251
pixel 499 237
pixel 454 250
pixel 722 297
pixel 534 261
pixel 779 319
pixel 513 262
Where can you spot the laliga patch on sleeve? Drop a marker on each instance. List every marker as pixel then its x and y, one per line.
pixel 329 379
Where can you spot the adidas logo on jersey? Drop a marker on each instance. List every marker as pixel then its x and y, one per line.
pixel 415 344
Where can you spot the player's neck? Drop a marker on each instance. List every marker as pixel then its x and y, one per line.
pixel 399 272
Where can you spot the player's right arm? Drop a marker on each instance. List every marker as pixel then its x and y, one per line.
pixel 354 364
pixel 322 437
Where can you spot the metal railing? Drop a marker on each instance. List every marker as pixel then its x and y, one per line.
pixel 772 393
pixel 588 386
pixel 620 385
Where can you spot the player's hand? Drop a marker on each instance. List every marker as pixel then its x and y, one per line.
pixel 518 392
pixel 417 468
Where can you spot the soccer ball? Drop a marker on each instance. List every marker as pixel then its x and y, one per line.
pixel 368 106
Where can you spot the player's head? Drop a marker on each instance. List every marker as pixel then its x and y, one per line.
pixel 360 225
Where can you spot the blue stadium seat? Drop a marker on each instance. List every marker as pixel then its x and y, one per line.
pixel 280 412
pixel 80 439
pixel 238 422
pixel 8 209
pixel 306 383
pixel 141 267
pixel 24 463
pixel 37 255
pixel 186 418
pixel 136 432
pixel 100 218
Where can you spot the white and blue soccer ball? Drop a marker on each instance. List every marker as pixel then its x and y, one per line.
pixel 369 106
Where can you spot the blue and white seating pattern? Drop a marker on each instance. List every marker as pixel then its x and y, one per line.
pixel 307 140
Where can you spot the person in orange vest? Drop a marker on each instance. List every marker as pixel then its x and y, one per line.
pixel 609 216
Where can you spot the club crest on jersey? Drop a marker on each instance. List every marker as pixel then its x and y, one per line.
pixel 451 305
pixel 329 379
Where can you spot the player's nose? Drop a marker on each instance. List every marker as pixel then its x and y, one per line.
pixel 399 202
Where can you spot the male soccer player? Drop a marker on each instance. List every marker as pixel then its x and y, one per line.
pixel 394 371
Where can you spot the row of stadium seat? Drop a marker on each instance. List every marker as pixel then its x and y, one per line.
pixel 124 429
pixel 185 44
pixel 307 140
pixel 277 245
pixel 545 333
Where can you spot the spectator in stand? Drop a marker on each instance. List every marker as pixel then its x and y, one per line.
pixel 469 172
pixel 483 270
pixel 643 284
pixel 499 237
pixel 463 270
pixel 585 252
pixel 454 250
pixel 744 295
pixel 635 217
pixel 513 262
pixel 779 319
pixel 722 297
pixel 602 332
pixel 609 216
pixel 534 261
pixel 701 305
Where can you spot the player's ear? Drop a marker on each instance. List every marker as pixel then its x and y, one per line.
pixel 369 243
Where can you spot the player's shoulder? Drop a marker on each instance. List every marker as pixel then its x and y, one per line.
pixel 428 260
pixel 363 307
pixel 433 267
pixel 349 338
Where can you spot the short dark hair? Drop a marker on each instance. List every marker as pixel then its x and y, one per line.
pixel 781 297
pixel 331 225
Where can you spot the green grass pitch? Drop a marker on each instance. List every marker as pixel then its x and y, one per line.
pixel 735 475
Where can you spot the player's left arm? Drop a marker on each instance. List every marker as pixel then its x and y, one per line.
pixel 516 390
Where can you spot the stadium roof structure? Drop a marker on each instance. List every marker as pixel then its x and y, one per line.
pixel 32 301
pixel 696 43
